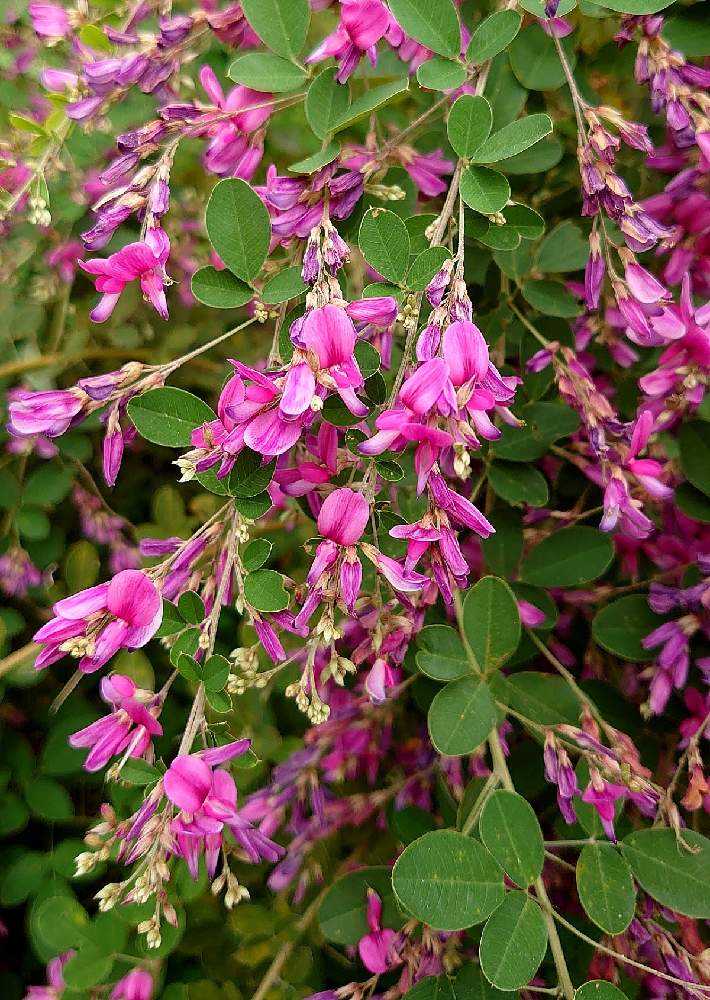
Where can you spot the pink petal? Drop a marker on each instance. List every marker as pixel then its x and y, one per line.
pixel 298 390
pixel 422 389
pixel 269 434
pixel 86 602
pixel 187 782
pixel 465 352
pixel 344 516
pixel 133 597
pixel 330 333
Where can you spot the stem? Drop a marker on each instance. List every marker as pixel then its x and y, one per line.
pixel 568 677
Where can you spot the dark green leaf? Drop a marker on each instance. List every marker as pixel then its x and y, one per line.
pixel 256 553
pixel 442 655
pixel 461 716
pixel 568 558
pixel 249 476
pixel 535 61
pixel 238 227
pixel 320 159
pixel 514 138
pixel 425 266
pixel 545 699
pixel 215 673
pixel 484 190
pixel 551 298
pixel 448 880
pixel 287 284
pixel 342 916
pixel 191 607
pixel 168 416
pixel 670 873
pixel 469 124
pixel 621 626
pixel 509 828
pixel 513 942
pixel 280 24
pixel 493 35
pixel 441 74
pixel 519 483
pixel 264 590
pixel 491 622
pixel 694 440
pixel 599 989
pixel 219 289
pixel 545 423
pixel 266 72
pixel 606 888
pixel 370 101
pixel 502 550
pixel 384 242
pixel 435 25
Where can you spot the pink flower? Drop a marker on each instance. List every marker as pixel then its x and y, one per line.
pixel 603 795
pixel 95 623
pixel 128 730
pixel 376 949
pixel 49 20
pixel 362 24
pixel 136 985
pixel 49 412
pixel 55 979
pixel 144 261
pixel 230 151
pixel 206 796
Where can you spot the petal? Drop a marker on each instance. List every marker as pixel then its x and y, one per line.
pixel 344 516
pixel 86 602
pixel 465 352
pixel 422 389
pixel 133 597
pixel 330 333
pixel 187 782
pixel 269 434
pixel 298 390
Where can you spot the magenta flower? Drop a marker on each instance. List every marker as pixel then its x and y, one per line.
pixel 143 261
pixel 603 795
pixel 376 949
pixel 49 20
pixel 18 573
pixel 362 24
pixel 135 985
pixel 206 796
pixel 55 979
pixel 231 151
pixel 49 412
pixel 128 730
pixel 95 623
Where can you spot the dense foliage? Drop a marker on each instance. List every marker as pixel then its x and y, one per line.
pixel 355 491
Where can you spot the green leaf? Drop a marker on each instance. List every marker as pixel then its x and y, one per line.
pixel 543 156
pixel 693 503
pixel 265 591
pixel 281 24
pixel 287 284
pixel 139 772
pixel 606 888
pixel 502 550
pixel 491 622
pixel 370 101
pixel 266 73
pixel 500 237
pixel 89 967
pixel 564 249
pixel 448 880
pixel 621 626
pixel 509 828
pixel 525 220
pixel 518 483
pixel 253 507
pixel 320 159
pixel 189 667
pixel 168 416
pixel 484 190
pixel 47 485
pixel 551 298
pixel 545 423
pixel 81 566
pixel 249 476
pixel 238 227
pixel 432 988
pixel 689 35
pixel 535 61
pixel 92 36
pixel 599 989
pixel 469 125
pixel 219 701
pixel 326 102
pixel 409 823
pixel 60 922
pixel 368 358
pixel 219 289
pixel 49 800
pixel 493 35
pixel 514 138
pixel 342 914
pixel 256 553
pixel 545 699
pixel 435 25
pixel 187 642
pixel 568 558
pixel 172 620
pixel 694 440
pixel 425 266
pixel 513 942
pixel 636 6
pixel 441 74
pixel 33 524
pixel 673 875
pixel 191 607
pixel 471 984
pixel 384 242
pixel 461 716
pixel 442 655
pixel 22 877
pixel 215 673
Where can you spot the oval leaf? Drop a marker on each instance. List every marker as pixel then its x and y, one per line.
pixel 168 416
pixel 469 125
pixel 448 880
pixel 280 24
pixel 569 558
pixel 606 887
pixel 265 591
pixel 238 227
pixel 219 289
pixel 513 942
pixel 669 872
pixel 491 622
pixel 484 190
pixel 384 242
pixel 509 828
pixel 514 138
pixel 435 25
pixel 461 716
pixel 621 627
pixel 266 72
pixel 493 35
